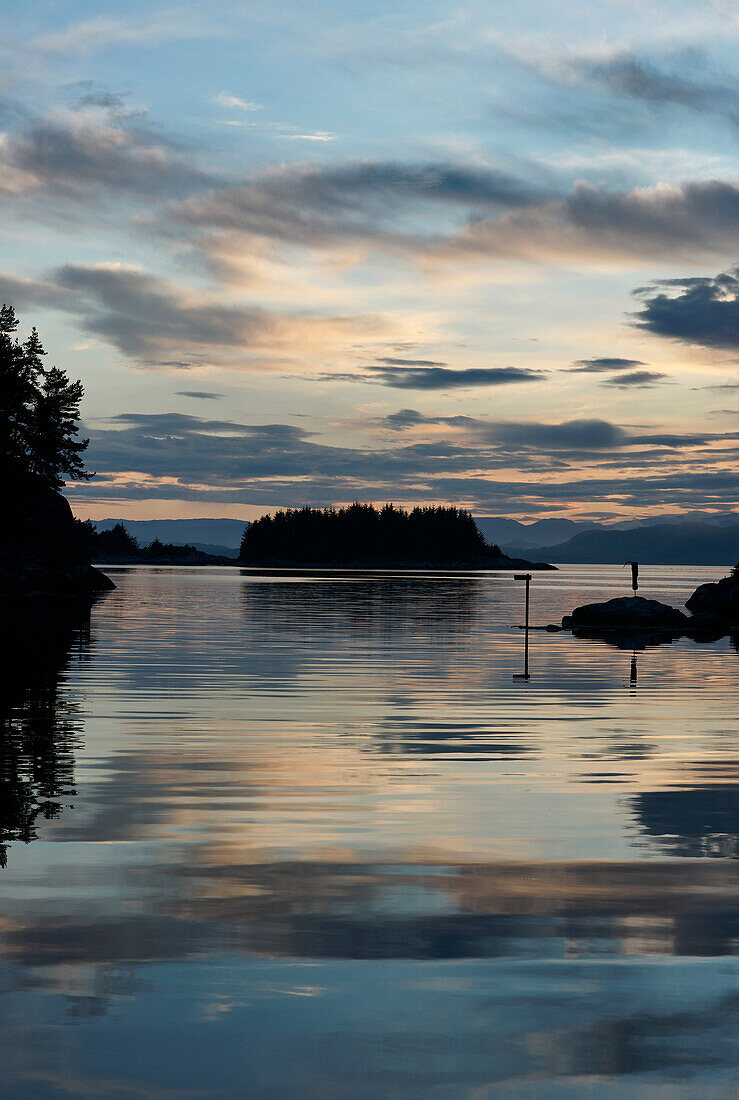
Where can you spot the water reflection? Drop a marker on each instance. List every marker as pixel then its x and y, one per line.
pixel 322 845
pixel 39 728
pixel 353 605
pixel 692 822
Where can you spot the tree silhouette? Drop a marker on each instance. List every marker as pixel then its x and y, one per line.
pixel 116 541
pixel 39 413
pixel 362 533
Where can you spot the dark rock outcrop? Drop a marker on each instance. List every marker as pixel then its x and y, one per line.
pixel 43 552
pixel 632 614
pixel 719 599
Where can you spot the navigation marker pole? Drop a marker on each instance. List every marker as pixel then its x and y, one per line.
pixel 525 674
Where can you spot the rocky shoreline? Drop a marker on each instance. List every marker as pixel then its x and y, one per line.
pixel 43 556
pixel 713 607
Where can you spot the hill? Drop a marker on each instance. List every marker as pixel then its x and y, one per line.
pixel 530 536
pixel 662 544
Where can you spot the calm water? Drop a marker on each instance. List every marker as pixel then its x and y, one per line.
pixel 307 837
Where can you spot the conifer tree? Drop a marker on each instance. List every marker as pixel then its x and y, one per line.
pixel 39 413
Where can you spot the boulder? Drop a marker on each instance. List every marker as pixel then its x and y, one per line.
pixel 627 613
pixel 43 552
pixel 719 598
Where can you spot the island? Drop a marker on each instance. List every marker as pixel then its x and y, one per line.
pixel 118 547
pixel 361 536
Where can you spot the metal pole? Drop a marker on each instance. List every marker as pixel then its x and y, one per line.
pixel 524 577
pixel 526 641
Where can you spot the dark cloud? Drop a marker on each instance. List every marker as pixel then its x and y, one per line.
pixel 627 75
pixel 178 456
pixel 699 310
pixel 21 293
pixel 141 315
pixel 440 378
pixel 313 205
pixel 489 215
pixel 200 395
pixel 411 418
pixel 148 319
pixel 603 364
pixel 410 362
pixel 638 379
pixel 109 101
pixel 79 152
pixel 587 435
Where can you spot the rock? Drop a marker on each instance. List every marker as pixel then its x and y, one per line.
pixel 42 550
pixel 97 580
pixel 627 613
pixel 719 598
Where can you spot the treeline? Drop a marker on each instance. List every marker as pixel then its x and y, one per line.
pixel 118 545
pixel 362 533
pixel 39 414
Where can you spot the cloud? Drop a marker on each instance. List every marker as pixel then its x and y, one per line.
pixel 107 101
pixel 150 321
pixel 391 362
pixel 101 32
pixel 595 225
pixel 200 395
pixel 356 201
pixel 316 135
pixel 440 378
pixel 639 379
pixel 20 293
pixel 596 366
pixel 441 213
pixel 587 435
pixel 78 152
pixel 234 102
pixel 626 75
pixel 175 456
pixel 412 418
pixel 700 310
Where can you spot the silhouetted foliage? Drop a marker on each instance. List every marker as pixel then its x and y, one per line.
pixel 39 413
pixel 119 545
pixel 363 533
pixel 39 728
pixel 116 541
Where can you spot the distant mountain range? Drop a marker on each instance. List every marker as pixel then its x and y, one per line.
pixel 543 532
pixel 554 532
pixel 689 538
pixel 673 543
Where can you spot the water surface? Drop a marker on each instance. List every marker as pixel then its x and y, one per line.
pixel 306 835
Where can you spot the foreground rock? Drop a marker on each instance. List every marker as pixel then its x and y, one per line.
pixel 632 622
pixel 719 599
pixel 42 550
pixel 628 613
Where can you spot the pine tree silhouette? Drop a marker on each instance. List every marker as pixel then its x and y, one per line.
pixel 39 413
pixel 362 533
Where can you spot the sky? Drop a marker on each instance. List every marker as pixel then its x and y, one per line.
pixel 306 253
